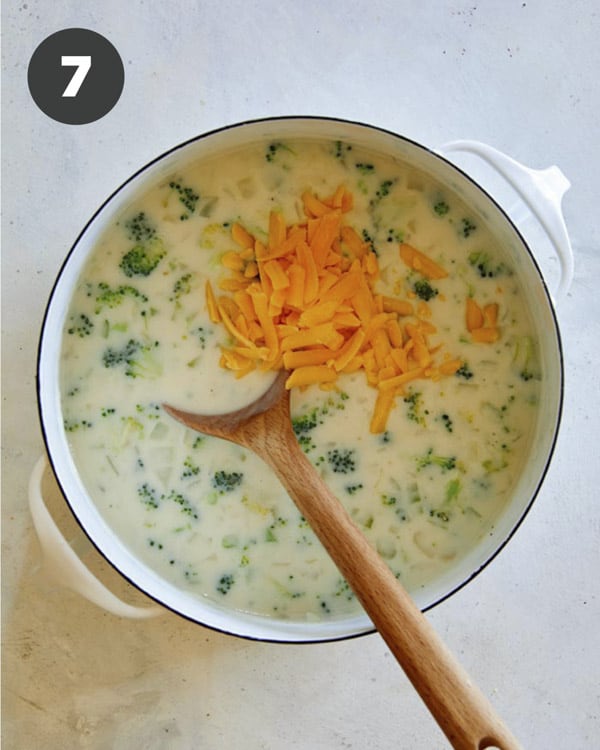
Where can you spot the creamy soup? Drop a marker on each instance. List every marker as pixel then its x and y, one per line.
pixel 208 515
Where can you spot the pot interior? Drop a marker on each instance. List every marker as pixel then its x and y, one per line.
pixel 405 152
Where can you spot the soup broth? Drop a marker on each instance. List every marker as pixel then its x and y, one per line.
pixel 207 515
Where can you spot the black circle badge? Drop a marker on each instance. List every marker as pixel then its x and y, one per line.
pixel 75 76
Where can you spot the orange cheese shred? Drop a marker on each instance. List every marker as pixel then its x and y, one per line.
pixel 482 322
pixel 307 301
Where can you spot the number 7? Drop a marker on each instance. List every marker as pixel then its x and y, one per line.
pixel 83 63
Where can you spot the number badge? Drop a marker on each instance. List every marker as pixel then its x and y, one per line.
pixel 75 76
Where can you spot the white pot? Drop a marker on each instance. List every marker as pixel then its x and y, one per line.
pixel 539 193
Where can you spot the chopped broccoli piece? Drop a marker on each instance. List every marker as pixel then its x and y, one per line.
pixel 139 228
pixel 73 425
pixel 229 541
pixel 447 422
pixel 369 240
pixel 274 149
pixel 491 466
pixel 395 235
pixel 114 296
pixel 186 506
pixel 415 411
pixel 352 489
pixel 225 583
pixel 136 358
pixel 445 463
pixel 363 167
pixel 441 208
pixel 453 489
pixel 148 496
pixel 303 425
pixel 201 333
pixel 467 227
pixel 226 481
pixel 340 149
pixel 152 500
pixel 440 515
pixel 424 290
pixel 382 192
pixel 180 287
pixel 485 266
pixel 464 372
pixel 341 461
pixel 190 469
pixel 187 197
pixel 82 325
pixel 143 258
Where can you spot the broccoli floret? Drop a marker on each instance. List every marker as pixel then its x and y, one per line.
pixel 369 240
pixel 394 235
pixel 275 148
pixel 467 227
pixel 82 325
pixel 72 425
pixel 440 515
pixel 114 296
pixel 352 489
pixel 115 357
pixel 382 192
pixel 226 481
pixel 187 197
pixel 340 149
pixel 202 333
pixel 445 463
pixel 485 266
pixel 180 287
pixel 424 290
pixel 303 425
pixel 364 168
pixel 225 583
pixel 190 469
pixel 139 228
pixel 148 496
pixel 186 506
pixel 441 208
pixel 415 411
pixel 143 258
pixel 341 461
pixel 464 372
pixel 136 358
pixel 152 500
pixel 447 422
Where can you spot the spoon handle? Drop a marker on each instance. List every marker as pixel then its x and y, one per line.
pixel 460 709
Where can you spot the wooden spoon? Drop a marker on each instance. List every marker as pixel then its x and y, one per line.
pixel 460 709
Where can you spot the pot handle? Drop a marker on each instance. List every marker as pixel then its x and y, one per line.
pixel 64 562
pixel 542 191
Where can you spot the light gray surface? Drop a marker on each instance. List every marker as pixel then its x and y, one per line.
pixel 522 76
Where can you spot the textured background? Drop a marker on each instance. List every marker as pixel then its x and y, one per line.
pixel 521 76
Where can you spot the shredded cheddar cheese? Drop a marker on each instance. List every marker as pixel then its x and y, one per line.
pixel 482 323
pixel 307 301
